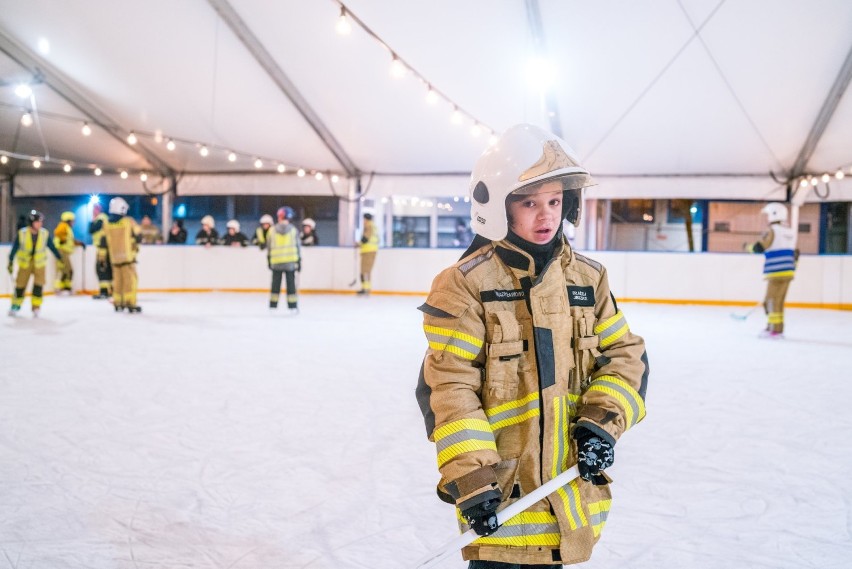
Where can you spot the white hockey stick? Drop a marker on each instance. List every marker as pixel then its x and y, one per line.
pixel 744 316
pixel 503 516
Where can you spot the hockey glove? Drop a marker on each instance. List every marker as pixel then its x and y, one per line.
pixel 594 454
pixel 481 512
pixel 10 268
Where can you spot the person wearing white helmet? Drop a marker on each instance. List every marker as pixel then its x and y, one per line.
pixel 207 235
pixel 30 251
pixel 123 236
pixel 778 245
pixel 284 259
pixel 234 237
pixel 531 367
pixel 262 232
pixel 66 242
pixel 103 268
pixel 309 233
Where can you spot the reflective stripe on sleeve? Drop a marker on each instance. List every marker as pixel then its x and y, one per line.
pixel 513 412
pixel 453 341
pixel 459 437
pixel 570 495
pixel 628 398
pixel 598 512
pixel 611 329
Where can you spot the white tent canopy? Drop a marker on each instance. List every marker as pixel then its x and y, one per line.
pixel 680 97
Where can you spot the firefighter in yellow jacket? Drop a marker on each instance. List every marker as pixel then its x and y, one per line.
pixel 30 251
pixel 63 238
pixel 103 269
pixel 284 257
pixel 531 366
pixel 369 248
pixel 778 245
pixel 122 240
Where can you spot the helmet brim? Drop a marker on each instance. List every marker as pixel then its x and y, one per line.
pixel 570 181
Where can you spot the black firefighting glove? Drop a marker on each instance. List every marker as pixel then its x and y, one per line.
pixel 481 512
pixel 299 266
pixel 364 240
pixel 594 454
pixel 10 268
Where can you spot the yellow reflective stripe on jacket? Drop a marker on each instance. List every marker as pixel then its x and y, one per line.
pixel 64 237
pixel 628 398
pixel 598 512
pixel 525 529
pixel 513 412
pixel 611 329
pixel 464 435
pixel 453 341
pixel 564 409
pixel 283 248
pixel 570 496
pixel 25 248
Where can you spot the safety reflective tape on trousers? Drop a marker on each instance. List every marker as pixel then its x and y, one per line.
pixel 525 529
pixel 570 496
pixel 453 341
pixel 621 391
pixel 459 437
pixel 598 512
pixel 611 329
pixel 513 412
pixel 775 317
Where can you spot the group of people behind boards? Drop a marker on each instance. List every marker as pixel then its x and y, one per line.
pixel 234 237
pixel 116 237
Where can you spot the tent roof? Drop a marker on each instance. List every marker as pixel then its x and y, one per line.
pixel 688 87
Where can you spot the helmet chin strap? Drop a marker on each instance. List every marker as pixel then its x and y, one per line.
pixel 571 206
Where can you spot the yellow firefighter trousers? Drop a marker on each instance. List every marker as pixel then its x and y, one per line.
pixel 367 262
pixel 124 284
pixel 21 282
pixel 773 304
pixel 64 271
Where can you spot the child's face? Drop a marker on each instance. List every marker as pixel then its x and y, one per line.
pixel 538 216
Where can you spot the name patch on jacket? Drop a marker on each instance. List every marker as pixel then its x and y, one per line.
pixel 495 295
pixel 581 296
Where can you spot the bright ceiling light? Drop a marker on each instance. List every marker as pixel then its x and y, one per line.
pixel 343 27
pixel 492 140
pixel 4 159
pixel 36 163
pixel 318 175
pixel 143 176
pixel 232 157
pixel 839 174
pixel 93 199
pixel 301 173
pixel 43 46
pixel 27 119
pixel 86 130
pixel 98 172
pixel 335 178
pixel 67 168
pixel 170 145
pixel 123 175
pixel 281 168
pixel 258 163
pixel 398 68
pixel 540 73
pixel 475 130
pixel 131 138
pixel 431 96
pixel 803 182
pixel 814 181
pixel 203 151
pixel 23 91
pixel 456 117
pixel 825 178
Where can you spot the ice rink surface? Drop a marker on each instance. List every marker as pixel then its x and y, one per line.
pixel 208 432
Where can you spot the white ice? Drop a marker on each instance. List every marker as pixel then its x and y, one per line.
pixel 208 432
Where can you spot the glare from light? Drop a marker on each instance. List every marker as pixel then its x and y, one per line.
pixel 4 159
pixel 475 130
pixel 814 181
pixel 232 157
pixel 335 178
pixel 385 200
pixel 94 198
pixel 825 178
pixel 803 182
pixel 27 119
pixel 43 46
pixel 86 130
pixel 203 151
pixel 318 175
pixel 431 96
pixel 398 69
pixel 180 211
pixel 467 199
pixel 131 138
pixel 281 168
pixel 158 136
pixel 839 174
pixel 693 210
pixel 258 163
pixel 67 168
pixel 343 27
pixel 540 73
pixel 143 176
pixel 23 91
pixel 36 163
pixel 170 145
pixel 123 175
pixel 301 173
pixel 98 172
pixel 492 140
pixel 455 198
pixel 456 117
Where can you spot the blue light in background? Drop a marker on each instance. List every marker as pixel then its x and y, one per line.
pixel 94 199
pixel 180 211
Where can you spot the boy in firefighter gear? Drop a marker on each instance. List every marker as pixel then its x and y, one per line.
pixel 262 231
pixel 122 240
pixel 30 251
pixel 284 257
pixel 369 248
pixel 64 240
pixel 309 233
pixel 778 245
pixel 531 367
pixel 233 236
pixel 102 265
pixel 207 235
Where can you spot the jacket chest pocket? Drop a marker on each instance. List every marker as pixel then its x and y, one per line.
pixel 505 354
pixel 584 343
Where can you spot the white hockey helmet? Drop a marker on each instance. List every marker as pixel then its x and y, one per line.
pixel 775 212
pixel 208 220
pixel 524 157
pixel 266 218
pixel 118 206
pixel 233 224
pixel 310 223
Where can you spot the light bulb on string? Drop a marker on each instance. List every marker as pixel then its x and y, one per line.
pixel 86 130
pixel 131 138
pixel 814 181
pixel 281 168
pixel 492 140
pixel 27 119
pixel 158 136
pixel 825 178
pixel 318 175
pixel 232 157
pixel 67 168
pixel 123 174
pixel 203 151
pixel 170 145
pixel 803 182
pixel 301 173
pixel 4 159
pixel 431 96
pixel 36 163
pixel 23 91
pixel 456 117
pixel 475 130
pixel 397 68
pixel 258 163
pixel 98 172
pixel 343 27
pixel 839 174
pixel 143 176
pixel 335 178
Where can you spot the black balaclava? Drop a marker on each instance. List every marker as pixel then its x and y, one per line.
pixel 541 254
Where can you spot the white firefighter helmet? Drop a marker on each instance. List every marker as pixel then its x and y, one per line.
pixel 233 224
pixel 266 218
pixel 775 212
pixel 523 157
pixel 310 223
pixel 208 220
pixel 118 206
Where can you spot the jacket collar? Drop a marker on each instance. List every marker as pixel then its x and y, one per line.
pixel 516 258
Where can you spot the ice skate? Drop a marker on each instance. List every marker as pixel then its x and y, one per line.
pixel 118 307
pixel 100 296
pixel 293 311
pixel 13 312
pixel 134 309
pixel 770 335
pixel 36 312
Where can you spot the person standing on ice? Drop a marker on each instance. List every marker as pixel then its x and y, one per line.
pixel 63 238
pixel 103 269
pixel 531 367
pixel 30 251
pixel 262 231
pixel 284 256
pixel 122 238
pixel 778 245
pixel 369 247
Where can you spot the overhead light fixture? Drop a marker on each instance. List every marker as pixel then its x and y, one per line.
pixel 825 178
pixel 36 163
pixel 123 174
pixel 301 173
pixel 343 27
pixel 43 46
pixel 131 138
pixel 456 117
pixel 475 130
pixel 27 119
pixel 23 91
pixel 86 130
pixel 335 178
pixel 540 73
pixel 98 172
pixel 67 168
pixel 814 181
pixel 431 96
pixel 258 163
pixel 4 159
pixel 803 182
pixel 839 174
pixel 318 175
pixel 170 145
pixel 203 151
pixel 281 168
pixel 232 157
pixel 397 68
pixel 143 176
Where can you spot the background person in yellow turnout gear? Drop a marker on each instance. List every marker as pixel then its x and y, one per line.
pixel 102 265
pixel 63 238
pixel 284 255
pixel 122 239
pixel 30 251
pixel 778 245
pixel 531 367
pixel 262 231
pixel 369 248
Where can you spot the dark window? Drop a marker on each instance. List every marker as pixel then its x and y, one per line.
pixel 633 211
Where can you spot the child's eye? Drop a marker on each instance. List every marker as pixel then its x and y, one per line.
pixel 555 201
pixel 529 203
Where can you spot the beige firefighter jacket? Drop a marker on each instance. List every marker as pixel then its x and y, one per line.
pixel 515 359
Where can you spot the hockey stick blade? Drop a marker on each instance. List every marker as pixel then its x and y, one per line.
pixel 503 516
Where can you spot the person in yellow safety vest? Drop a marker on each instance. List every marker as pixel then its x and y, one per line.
pixel 102 265
pixel 63 238
pixel 531 367
pixel 262 231
pixel 284 255
pixel 30 251
pixel 122 239
pixel 778 245
pixel 369 247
